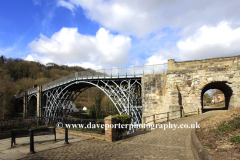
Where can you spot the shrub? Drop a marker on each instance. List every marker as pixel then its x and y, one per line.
pixel 122 119
pixel 92 111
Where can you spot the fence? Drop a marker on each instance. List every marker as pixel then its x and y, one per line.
pixel 6 125
pixel 166 116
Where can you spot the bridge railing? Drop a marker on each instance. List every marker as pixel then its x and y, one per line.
pixel 19 95
pixel 135 71
pixel 32 90
pixel 127 72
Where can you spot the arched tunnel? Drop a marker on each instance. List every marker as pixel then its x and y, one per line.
pixel 222 86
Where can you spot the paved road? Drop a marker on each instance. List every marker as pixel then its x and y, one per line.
pixel 157 144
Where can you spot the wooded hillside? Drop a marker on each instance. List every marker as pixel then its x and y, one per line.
pixel 17 75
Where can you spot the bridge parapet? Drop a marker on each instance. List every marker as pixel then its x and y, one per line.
pixel 216 64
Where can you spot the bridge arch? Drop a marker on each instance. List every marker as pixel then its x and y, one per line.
pixel 125 95
pixel 71 85
pixel 32 106
pixel 222 86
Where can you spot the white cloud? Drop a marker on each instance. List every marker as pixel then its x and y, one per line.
pixel 67 5
pixel 203 29
pixel 206 42
pixel 209 42
pixel 86 65
pixel 70 47
pixel 35 57
pixel 141 17
pixel 159 57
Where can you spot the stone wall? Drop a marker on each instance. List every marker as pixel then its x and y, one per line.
pixel 184 84
pixel 153 94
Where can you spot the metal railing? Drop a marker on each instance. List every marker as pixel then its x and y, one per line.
pixel 127 72
pixel 32 90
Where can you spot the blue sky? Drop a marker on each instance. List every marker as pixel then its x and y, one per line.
pixel 117 33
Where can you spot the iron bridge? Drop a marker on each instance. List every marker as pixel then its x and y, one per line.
pixel 121 85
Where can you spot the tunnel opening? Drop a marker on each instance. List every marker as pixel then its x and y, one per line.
pixel 213 98
pixel 220 88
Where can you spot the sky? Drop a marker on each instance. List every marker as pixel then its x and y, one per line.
pixel 118 33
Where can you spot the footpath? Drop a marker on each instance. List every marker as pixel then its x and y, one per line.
pixel 156 144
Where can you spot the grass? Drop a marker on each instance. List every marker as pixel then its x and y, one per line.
pixel 226 128
pixel 217 105
pixel 221 134
pixel 208 145
pixel 235 139
pixel 222 150
pixel 229 126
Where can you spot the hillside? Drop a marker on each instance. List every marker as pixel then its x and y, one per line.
pixel 17 75
pixel 220 134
